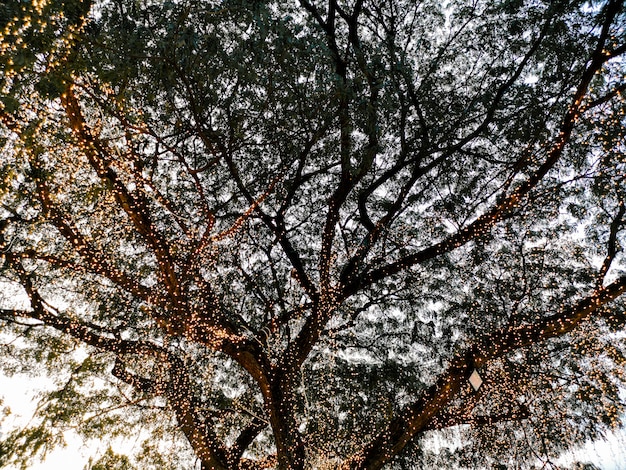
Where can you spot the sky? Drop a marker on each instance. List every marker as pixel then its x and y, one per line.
pixel 609 454
pixel 18 393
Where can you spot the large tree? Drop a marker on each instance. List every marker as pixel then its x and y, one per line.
pixel 267 234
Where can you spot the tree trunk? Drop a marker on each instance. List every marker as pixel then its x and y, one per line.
pixel 281 407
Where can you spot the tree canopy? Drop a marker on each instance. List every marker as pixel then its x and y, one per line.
pixel 266 234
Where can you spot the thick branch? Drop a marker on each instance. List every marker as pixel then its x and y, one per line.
pixel 208 326
pixel 245 438
pixel 147 386
pixel 135 207
pixel 503 341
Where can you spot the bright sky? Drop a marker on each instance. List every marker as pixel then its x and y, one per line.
pixel 17 393
pixel 609 454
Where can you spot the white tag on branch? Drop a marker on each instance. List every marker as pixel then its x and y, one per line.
pixel 475 380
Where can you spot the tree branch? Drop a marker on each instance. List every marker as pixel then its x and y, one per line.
pixel 616 225
pixel 418 416
pixel 245 438
pixel 82 331
pixel 504 208
pixel 148 386
pixel 97 262
pixel 135 207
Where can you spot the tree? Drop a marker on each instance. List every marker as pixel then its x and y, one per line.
pixel 285 234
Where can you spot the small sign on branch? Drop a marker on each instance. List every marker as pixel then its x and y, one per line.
pixel 475 380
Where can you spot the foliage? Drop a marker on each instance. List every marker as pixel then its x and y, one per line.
pixel 110 461
pixel 258 234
